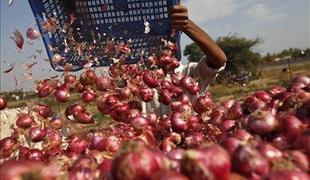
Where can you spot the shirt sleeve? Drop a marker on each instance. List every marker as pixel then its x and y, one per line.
pixel 204 74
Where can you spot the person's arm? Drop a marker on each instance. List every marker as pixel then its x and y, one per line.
pixel 216 58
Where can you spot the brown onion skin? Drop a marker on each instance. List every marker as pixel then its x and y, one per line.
pixel 3 103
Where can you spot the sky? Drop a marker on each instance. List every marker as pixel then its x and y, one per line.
pixel 281 23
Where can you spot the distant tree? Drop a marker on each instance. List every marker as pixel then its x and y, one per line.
pixel 239 51
pixel 292 52
pixel 269 58
pixel 193 52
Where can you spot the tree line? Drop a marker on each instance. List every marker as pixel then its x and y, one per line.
pixel 241 54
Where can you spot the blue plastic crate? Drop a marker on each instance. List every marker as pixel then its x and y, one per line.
pixel 122 20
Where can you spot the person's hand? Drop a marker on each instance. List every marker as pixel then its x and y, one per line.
pixel 179 18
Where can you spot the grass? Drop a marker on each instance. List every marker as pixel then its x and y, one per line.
pixel 268 79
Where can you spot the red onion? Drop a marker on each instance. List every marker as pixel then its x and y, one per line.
pixel 73 110
pixel 85 162
pixel 104 83
pixel 252 104
pixel 110 144
pixel 178 122
pixel 88 77
pixel 62 95
pixel 105 168
pixel 56 123
pixel 81 174
pixel 176 78
pixel 288 175
pixel 70 79
pixel 171 175
pixel 24 121
pixel 299 159
pixel 269 152
pixel 189 85
pixel 227 125
pixel 203 103
pixel 24 153
pixel 77 144
pixel 36 155
pixel 290 126
pixel 209 162
pixel 37 134
pixel 13 170
pixel 79 87
pixel 44 91
pixel 303 112
pixel 150 79
pixel 247 161
pixel 235 111
pixel 84 117
pixel 194 139
pixel 151 119
pixel 53 139
pixel 262 122
pixel 146 94
pixel 137 161
pixel 231 144
pixel 263 96
pixel 33 34
pixel 124 93
pixel 303 143
pixel 165 97
pixel 89 96
pixel 276 90
pixel 242 135
pixel 43 110
pixel 299 82
pixel 7 147
pixel 3 103
pixel 139 123
pixel 106 104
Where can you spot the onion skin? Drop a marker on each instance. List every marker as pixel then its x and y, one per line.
pixel 3 103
